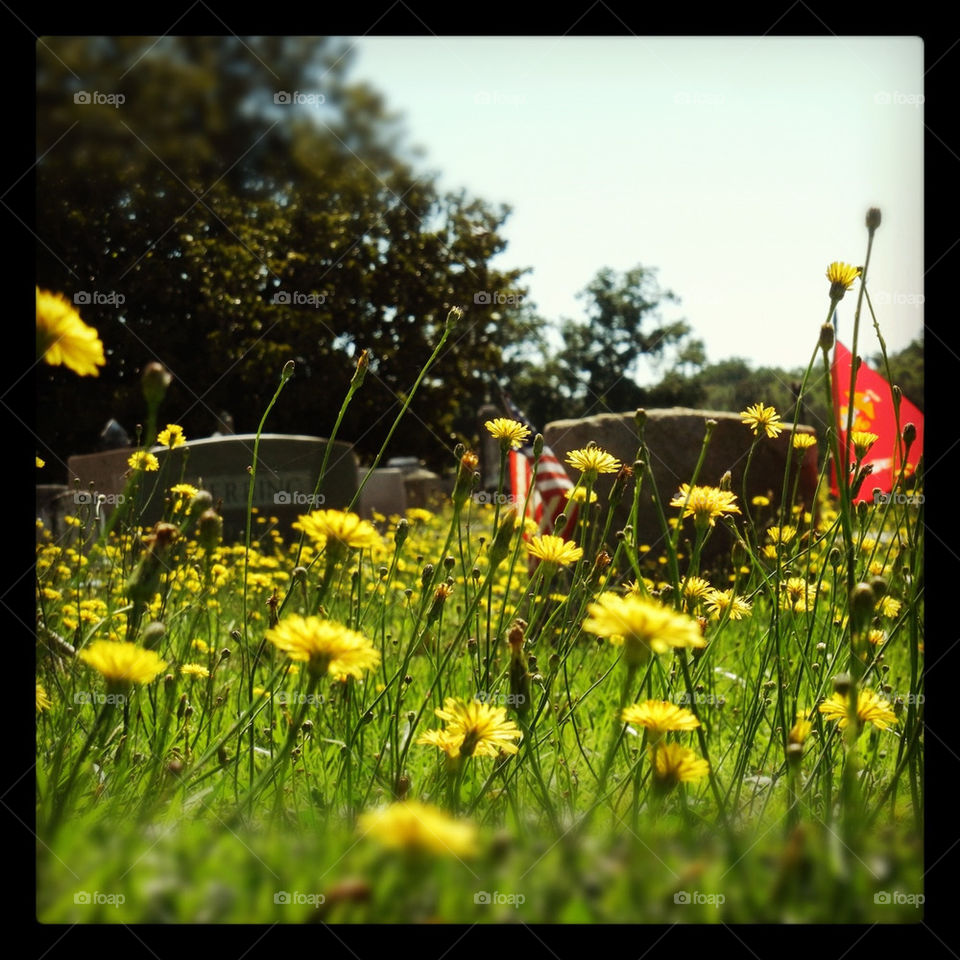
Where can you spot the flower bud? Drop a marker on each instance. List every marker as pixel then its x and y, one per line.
pixel 210 530
pixel 287 372
pixel 538 445
pixel 873 218
pixel 909 434
pixel 862 602
pixel 155 379
pixel 827 337
pixel 841 684
pixel 363 362
pixel 501 541
pixel 153 634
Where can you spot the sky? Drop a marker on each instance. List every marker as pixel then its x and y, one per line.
pixel 738 167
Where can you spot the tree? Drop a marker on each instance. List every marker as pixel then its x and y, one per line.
pixel 242 226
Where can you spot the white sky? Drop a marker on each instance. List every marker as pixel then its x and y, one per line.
pixel 740 167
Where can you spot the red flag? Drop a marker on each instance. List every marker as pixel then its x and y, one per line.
pixel 873 412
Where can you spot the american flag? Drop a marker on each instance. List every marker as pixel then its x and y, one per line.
pixel 548 498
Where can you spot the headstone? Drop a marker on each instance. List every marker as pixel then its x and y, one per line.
pixel 405 464
pixel 287 470
pixel 113 436
pixel 489 448
pixel 384 492
pixel 53 503
pixel 425 489
pixel 674 437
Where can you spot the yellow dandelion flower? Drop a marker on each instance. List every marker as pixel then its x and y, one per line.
pixel 343 528
pixel 184 490
pixel 194 671
pixel 797 595
pixel 592 461
pixel 760 417
pixel 841 277
pixel 659 716
pixel 871 708
pixel 704 504
pixel 122 663
pixel 327 647
pixel 760 501
pixel 554 550
pixel 876 637
pixel 801 729
pixel 782 534
pixel 579 495
pixel 510 433
pixel 43 701
pixel 141 460
pixel 478 729
pixel 418 827
pixel 62 337
pixel 41 463
pixel 803 441
pixel 419 514
pixel 171 436
pixel 889 608
pixel 673 764
pixel 642 625
pixel 695 588
pixel 720 601
pixel 863 440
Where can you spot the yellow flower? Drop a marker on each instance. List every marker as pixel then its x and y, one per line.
pixel 62 337
pixel 171 436
pixel 591 461
pixel 184 490
pixel 758 417
pixel 673 764
pixel 719 601
pixel 418 513
pixel 122 663
pixel 801 729
pixel 870 709
pixel 803 441
pixel 328 647
pixel 695 588
pixel 474 728
pixel 643 625
pixel 889 608
pixel 194 670
pixel 704 504
pixel 343 528
pixel 555 550
pixel 415 826
pixel 659 716
pixel 782 534
pixel 876 637
pixel 40 463
pixel 841 277
pixel 510 433
pixel 863 440
pixel 43 701
pixel 579 495
pixel 760 501
pixel 141 460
